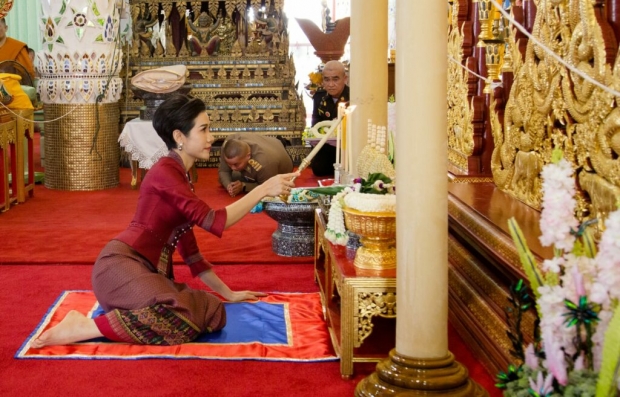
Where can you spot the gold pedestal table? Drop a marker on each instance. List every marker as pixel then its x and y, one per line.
pixel 359 304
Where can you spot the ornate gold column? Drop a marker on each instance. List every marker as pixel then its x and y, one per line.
pixel 368 77
pixel 421 363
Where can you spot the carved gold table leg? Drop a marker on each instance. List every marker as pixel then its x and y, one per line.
pixel 321 261
pixel 351 298
pixel 8 132
pixel 134 173
pixel 329 278
pixel 347 330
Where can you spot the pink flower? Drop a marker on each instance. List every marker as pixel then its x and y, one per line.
pixel 608 257
pixel 598 294
pixel 542 386
pixel 579 363
pixel 571 275
pixel 578 279
pixel 555 357
pixel 557 217
pixel 531 360
pixel 551 309
pixel 553 265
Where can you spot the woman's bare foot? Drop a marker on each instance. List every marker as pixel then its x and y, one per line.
pixel 74 327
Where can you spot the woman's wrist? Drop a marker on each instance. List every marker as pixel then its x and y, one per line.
pixel 262 188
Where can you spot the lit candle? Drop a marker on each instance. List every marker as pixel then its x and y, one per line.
pixel 344 133
pixel 333 125
pixel 349 148
pixel 338 137
pixel 340 131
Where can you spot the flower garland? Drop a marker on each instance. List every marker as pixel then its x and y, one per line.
pixel 577 297
pixel 558 219
pixel 335 231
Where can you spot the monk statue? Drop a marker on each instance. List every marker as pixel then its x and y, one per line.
pixel 203 35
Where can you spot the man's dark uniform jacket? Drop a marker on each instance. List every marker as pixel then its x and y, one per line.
pixel 325 108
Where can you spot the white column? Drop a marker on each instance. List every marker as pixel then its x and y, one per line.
pixel 368 76
pixel 421 175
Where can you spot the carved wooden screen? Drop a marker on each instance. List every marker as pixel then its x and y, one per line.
pixel 236 52
pixel 535 103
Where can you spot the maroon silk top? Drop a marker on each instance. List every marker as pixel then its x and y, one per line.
pixel 167 203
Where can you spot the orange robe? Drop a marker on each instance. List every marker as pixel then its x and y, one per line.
pixel 15 50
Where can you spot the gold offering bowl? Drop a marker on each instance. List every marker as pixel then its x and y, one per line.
pixel 377 232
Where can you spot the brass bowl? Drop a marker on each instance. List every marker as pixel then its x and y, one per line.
pixel 377 232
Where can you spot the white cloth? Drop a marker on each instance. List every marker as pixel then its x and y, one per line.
pixel 141 140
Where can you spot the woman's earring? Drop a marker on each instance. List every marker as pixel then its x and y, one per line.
pixel 180 146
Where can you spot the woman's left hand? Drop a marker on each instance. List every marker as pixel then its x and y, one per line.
pixel 238 296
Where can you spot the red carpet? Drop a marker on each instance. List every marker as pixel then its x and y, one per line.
pixel 53 223
pixel 278 327
pixel 57 227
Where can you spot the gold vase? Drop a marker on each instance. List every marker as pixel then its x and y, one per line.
pixel 377 231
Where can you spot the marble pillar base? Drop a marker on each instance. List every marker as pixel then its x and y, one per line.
pixel 403 376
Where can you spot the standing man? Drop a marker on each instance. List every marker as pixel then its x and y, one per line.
pixel 335 90
pixel 247 160
pixel 14 50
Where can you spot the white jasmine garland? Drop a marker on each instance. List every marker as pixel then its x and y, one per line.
pixel 558 215
pixel 335 231
pixel 371 202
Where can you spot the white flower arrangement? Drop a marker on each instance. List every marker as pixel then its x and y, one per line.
pixel 376 185
pixel 371 202
pixel 577 298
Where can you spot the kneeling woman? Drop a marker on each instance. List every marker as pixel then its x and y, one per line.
pixel 132 277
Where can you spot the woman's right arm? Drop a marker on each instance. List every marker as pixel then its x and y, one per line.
pixel 273 187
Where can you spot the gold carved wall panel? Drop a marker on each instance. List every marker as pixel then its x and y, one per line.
pixel 551 106
pixel 460 112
